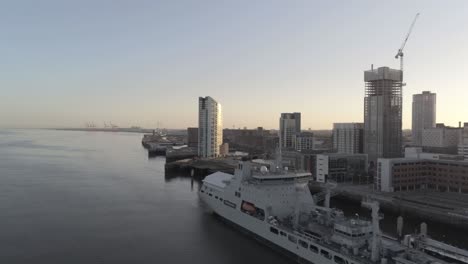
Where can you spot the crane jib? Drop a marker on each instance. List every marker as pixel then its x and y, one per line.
pixel 400 50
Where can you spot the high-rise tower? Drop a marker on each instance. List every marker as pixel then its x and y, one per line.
pixel 290 124
pixel 210 127
pixel 348 137
pixel 424 115
pixel 383 113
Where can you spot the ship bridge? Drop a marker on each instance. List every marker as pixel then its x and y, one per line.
pixel 263 175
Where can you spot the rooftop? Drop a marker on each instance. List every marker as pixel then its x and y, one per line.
pixel 218 179
pixel 382 73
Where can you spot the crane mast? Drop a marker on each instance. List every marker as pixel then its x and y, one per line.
pixel 400 51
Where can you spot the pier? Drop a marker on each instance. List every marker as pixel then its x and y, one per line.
pixel 201 167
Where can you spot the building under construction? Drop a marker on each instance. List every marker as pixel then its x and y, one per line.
pixel 383 113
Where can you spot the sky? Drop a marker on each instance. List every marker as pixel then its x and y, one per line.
pixel 140 63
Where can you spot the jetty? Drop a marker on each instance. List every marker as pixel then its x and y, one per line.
pixel 202 167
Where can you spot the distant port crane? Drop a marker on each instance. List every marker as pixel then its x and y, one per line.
pixel 112 125
pixel 90 125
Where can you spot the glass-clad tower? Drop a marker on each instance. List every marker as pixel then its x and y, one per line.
pixel 210 127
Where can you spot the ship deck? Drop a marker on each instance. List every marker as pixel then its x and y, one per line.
pixel 330 245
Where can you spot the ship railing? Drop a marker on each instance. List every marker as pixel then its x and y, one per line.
pixel 333 246
pixel 325 243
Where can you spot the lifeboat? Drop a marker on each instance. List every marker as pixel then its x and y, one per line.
pixel 248 207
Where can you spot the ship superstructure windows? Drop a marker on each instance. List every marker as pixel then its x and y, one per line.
pixel 314 249
pixel 353 233
pixel 274 230
pixel 230 204
pixel 325 253
pixel 292 239
pixel 339 260
pixel 350 234
pixel 312 234
pixel 303 244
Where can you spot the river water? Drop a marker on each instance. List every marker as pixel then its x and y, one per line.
pixel 95 197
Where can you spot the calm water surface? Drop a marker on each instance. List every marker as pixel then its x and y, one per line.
pixel 95 197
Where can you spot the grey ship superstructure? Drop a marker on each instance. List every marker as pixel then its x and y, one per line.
pixel 277 208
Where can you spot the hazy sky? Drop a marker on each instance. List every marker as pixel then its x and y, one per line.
pixel 64 63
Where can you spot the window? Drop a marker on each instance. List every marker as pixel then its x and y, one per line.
pixel 210 194
pixel 292 239
pixel 313 235
pixel 282 233
pixel 303 244
pixel 230 204
pixel 325 253
pixel 313 249
pixel 274 230
pixel 339 260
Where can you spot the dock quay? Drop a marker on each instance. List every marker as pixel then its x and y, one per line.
pixel 201 167
pixel 180 153
pixel 159 139
pixel 443 207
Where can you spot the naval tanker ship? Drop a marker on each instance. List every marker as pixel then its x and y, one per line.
pixel 276 207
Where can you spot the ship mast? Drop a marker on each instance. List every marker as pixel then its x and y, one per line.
pixel 375 247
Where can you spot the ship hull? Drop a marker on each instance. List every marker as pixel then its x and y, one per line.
pixel 261 240
pixel 278 210
pixel 260 230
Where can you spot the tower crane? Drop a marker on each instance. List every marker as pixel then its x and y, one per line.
pixel 400 51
